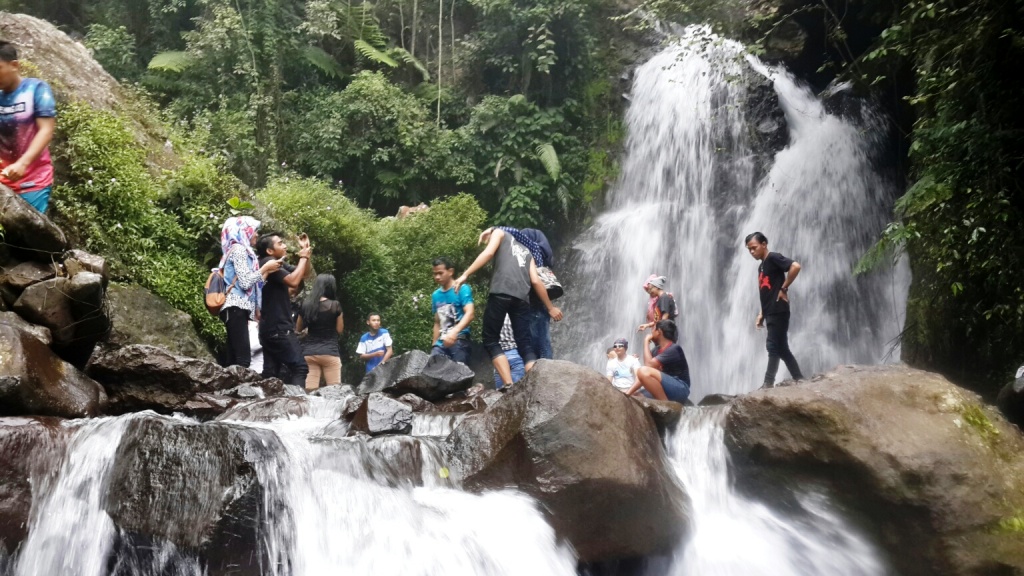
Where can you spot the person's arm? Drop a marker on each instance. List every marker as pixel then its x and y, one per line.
pixel 245 276
pixel 294 280
pixel 298 324
pixel 468 310
pixel 437 329
pixel 493 242
pixel 791 274
pixel 387 354
pixel 339 325
pixel 542 293
pixel 649 358
pixel 44 133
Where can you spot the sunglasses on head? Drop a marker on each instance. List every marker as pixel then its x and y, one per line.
pixel 619 346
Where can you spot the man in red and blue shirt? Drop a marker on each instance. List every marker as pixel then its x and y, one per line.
pixel 28 116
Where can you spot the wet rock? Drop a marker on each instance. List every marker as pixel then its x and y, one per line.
pixel 416 403
pixel 924 461
pixel 716 399
pixel 429 377
pixel 590 455
pixel 196 486
pixel 141 377
pixel 269 386
pixel 340 392
pixel 77 261
pixel 27 231
pixel 380 414
pixel 30 453
pixel 401 461
pixel 664 413
pixel 785 41
pixel 88 307
pixel 47 304
pixel 40 333
pixel 138 316
pixel 15 279
pixel 34 381
pixel 1011 400
pixel 268 410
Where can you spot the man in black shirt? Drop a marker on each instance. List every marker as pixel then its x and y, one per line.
pixel 277 329
pixel 774 276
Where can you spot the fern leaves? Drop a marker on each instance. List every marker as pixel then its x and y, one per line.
pixel 373 54
pixel 174 61
pixel 322 61
pixel 549 158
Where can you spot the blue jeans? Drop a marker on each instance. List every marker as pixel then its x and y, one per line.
pixel 39 199
pixel 675 389
pixel 518 368
pixel 540 333
pixel 459 351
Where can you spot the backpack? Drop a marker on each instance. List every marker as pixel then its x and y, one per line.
pixel 216 293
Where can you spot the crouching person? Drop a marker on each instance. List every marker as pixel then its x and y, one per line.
pixel 665 374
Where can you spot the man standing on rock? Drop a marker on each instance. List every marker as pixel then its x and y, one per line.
pixel 28 116
pixel 277 330
pixel 774 277
pixel 453 310
pixel 515 274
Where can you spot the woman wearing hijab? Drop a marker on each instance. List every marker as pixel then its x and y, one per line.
pixel 540 321
pixel 244 276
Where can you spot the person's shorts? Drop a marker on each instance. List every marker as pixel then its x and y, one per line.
pixel 676 389
pixel 39 199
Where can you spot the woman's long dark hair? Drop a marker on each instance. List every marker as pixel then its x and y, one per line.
pixel 323 287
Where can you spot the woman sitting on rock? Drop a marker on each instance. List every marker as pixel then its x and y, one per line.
pixel 321 314
pixel 245 277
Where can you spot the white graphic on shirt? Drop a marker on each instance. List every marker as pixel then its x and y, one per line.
pixel 521 253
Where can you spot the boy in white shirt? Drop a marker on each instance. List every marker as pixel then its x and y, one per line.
pixel 621 370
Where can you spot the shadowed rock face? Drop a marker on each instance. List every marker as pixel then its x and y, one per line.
pixel 195 486
pixel 34 381
pixel 380 414
pixel 27 231
pixel 138 316
pixel 922 459
pixel 140 377
pixel 415 372
pixel 47 304
pixel 589 454
pixel 30 452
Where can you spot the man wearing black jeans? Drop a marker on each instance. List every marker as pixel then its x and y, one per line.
pixel 277 330
pixel 774 277
pixel 515 274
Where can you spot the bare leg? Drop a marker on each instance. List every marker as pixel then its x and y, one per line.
pixel 500 363
pixel 529 365
pixel 650 379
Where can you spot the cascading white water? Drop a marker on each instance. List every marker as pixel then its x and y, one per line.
pixel 687 196
pixel 735 536
pixel 332 506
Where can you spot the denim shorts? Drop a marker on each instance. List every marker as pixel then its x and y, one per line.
pixel 675 389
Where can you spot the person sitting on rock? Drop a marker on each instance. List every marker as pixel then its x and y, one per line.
pixel 375 346
pixel 277 329
pixel 622 367
pixel 515 274
pixel 665 375
pixel 28 116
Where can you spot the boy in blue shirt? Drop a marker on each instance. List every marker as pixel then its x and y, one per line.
pixel 374 346
pixel 453 311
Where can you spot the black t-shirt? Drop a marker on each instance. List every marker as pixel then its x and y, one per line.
pixel 322 338
pixel 770 277
pixel 276 314
pixel 667 305
pixel 673 362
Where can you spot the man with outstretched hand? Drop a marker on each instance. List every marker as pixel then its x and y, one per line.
pixel 277 329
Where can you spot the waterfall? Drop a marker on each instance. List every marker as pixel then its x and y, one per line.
pixel 693 185
pixel 332 505
pixel 735 536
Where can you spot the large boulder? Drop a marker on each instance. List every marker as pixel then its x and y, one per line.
pixel 47 304
pixel 589 454
pixel 30 452
pixel 940 475
pixel 196 486
pixel 416 372
pixel 34 381
pixel 17 277
pixel 141 377
pixel 88 306
pixel 28 231
pixel 138 316
pixel 40 333
pixel 380 414
pixel 76 261
pixel 1011 400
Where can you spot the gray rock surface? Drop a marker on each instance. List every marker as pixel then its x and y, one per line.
pixel 88 307
pixel 429 377
pixel 47 304
pixel 590 455
pixel 40 333
pixel 928 464
pixel 141 377
pixel 30 452
pixel 664 413
pixel 34 381
pixel 195 485
pixel 24 274
pixel 140 317
pixel 76 261
pixel 380 414
pixel 268 410
pixel 26 230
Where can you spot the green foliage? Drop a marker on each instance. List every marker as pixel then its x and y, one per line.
pixel 114 49
pixel 109 202
pixel 172 61
pixel 1011 525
